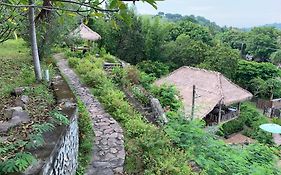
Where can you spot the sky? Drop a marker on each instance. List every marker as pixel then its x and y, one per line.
pixel 236 13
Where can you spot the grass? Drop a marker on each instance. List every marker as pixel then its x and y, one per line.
pixel 86 137
pixel 16 70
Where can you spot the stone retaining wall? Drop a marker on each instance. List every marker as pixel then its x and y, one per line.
pixel 59 156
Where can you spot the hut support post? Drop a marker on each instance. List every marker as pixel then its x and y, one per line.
pixel 219 119
pixel 193 102
pixel 239 107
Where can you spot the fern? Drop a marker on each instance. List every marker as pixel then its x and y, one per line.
pixel 16 164
pixel 41 128
pixel 35 141
pixel 59 118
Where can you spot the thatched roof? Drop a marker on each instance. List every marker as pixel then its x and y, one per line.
pixel 86 33
pixel 211 88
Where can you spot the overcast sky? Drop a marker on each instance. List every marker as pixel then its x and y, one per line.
pixel 237 13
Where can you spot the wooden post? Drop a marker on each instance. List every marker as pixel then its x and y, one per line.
pixel 239 107
pixel 219 119
pixel 193 102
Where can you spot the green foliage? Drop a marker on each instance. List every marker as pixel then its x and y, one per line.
pixel 110 58
pixel 275 57
pixel 247 71
pixel 221 59
pixel 18 163
pixel 86 137
pixel 146 80
pixel 140 94
pixel 154 68
pixel 73 62
pixel 168 96
pixel 194 31
pixel 148 150
pixel 59 118
pixel 214 156
pixel 249 121
pixel 276 121
pixel 262 41
pixel 185 51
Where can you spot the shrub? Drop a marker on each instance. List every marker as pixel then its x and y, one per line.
pixel 73 62
pixel 140 94
pixel 118 76
pixel 154 68
pixel 94 77
pixel 110 58
pixel 133 74
pixel 168 96
pixel 146 80
pixel 86 137
pixel 276 121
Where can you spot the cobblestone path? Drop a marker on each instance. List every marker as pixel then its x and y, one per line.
pixel 109 153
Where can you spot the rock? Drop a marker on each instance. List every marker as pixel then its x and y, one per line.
pixel 24 99
pixel 18 91
pixel 19 103
pixel 8 113
pixel 113 150
pixel 158 111
pixel 18 117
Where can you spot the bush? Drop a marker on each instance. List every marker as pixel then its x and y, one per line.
pixel 73 62
pixel 276 120
pixel 250 119
pixel 140 94
pixel 110 58
pixel 168 97
pixel 148 150
pixel 146 80
pixel 86 137
pixel 94 77
pixel 156 69
pixel 133 74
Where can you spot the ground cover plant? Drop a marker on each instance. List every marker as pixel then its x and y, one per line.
pixel 248 122
pixel 86 137
pixel 148 149
pixel 169 150
pixel 16 71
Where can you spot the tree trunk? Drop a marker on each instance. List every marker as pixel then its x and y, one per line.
pixel 34 47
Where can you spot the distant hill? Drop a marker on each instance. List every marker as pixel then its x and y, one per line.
pixel 196 19
pixel 277 25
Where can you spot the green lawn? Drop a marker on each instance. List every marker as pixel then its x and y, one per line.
pixel 16 66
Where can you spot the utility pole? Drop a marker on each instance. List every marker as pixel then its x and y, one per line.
pixel 34 47
pixel 193 102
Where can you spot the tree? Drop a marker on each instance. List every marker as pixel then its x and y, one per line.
pixel 222 59
pixel 79 7
pixel 184 51
pixel 155 33
pixel 248 70
pixel 235 38
pixel 194 31
pixel 275 57
pixel 262 42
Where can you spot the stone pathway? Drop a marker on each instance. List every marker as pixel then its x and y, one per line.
pixel 109 152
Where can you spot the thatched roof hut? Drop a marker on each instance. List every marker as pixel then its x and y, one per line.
pixel 86 33
pixel 212 88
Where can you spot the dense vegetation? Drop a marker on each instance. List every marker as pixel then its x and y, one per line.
pixel 168 150
pixel 168 41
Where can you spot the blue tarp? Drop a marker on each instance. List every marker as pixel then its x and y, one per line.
pixel 271 127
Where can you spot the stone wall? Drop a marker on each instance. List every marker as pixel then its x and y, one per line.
pixel 64 158
pixel 59 156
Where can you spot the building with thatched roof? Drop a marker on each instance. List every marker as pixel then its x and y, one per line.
pixel 84 32
pixel 213 93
